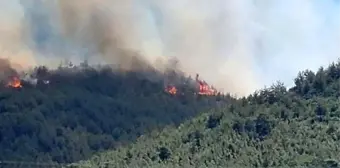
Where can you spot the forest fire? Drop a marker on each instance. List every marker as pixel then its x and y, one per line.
pixel 202 88
pixel 14 82
pixel 206 90
pixel 171 90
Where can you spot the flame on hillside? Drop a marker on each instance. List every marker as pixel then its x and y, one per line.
pixel 14 82
pixel 202 88
pixel 171 90
pixel 205 89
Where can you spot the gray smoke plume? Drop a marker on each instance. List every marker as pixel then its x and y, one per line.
pixel 236 45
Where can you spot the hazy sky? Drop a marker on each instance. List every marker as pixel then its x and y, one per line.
pixel 242 43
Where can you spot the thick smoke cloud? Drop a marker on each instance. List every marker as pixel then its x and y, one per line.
pixel 237 45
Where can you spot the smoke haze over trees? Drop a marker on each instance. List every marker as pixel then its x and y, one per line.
pixel 82 110
pixel 80 77
pixel 209 38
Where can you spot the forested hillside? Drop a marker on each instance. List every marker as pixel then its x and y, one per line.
pixel 70 113
pixel 274 127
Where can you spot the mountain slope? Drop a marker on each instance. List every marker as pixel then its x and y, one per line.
pixel 274 127
pixel 81 112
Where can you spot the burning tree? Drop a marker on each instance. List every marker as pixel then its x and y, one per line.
pixel 14 82
pixel 171 90
pixel 204 88
pixel 200 87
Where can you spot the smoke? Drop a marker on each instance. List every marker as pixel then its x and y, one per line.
pixel 236 45
pixel 12 46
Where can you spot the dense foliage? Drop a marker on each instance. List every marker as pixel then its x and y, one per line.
pixel 85 110
pixel 274 127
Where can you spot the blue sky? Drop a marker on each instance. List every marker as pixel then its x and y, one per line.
pixel 9 9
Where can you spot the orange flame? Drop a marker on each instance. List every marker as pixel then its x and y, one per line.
pixel 14 82
pixel 204 88
pixel 171 89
